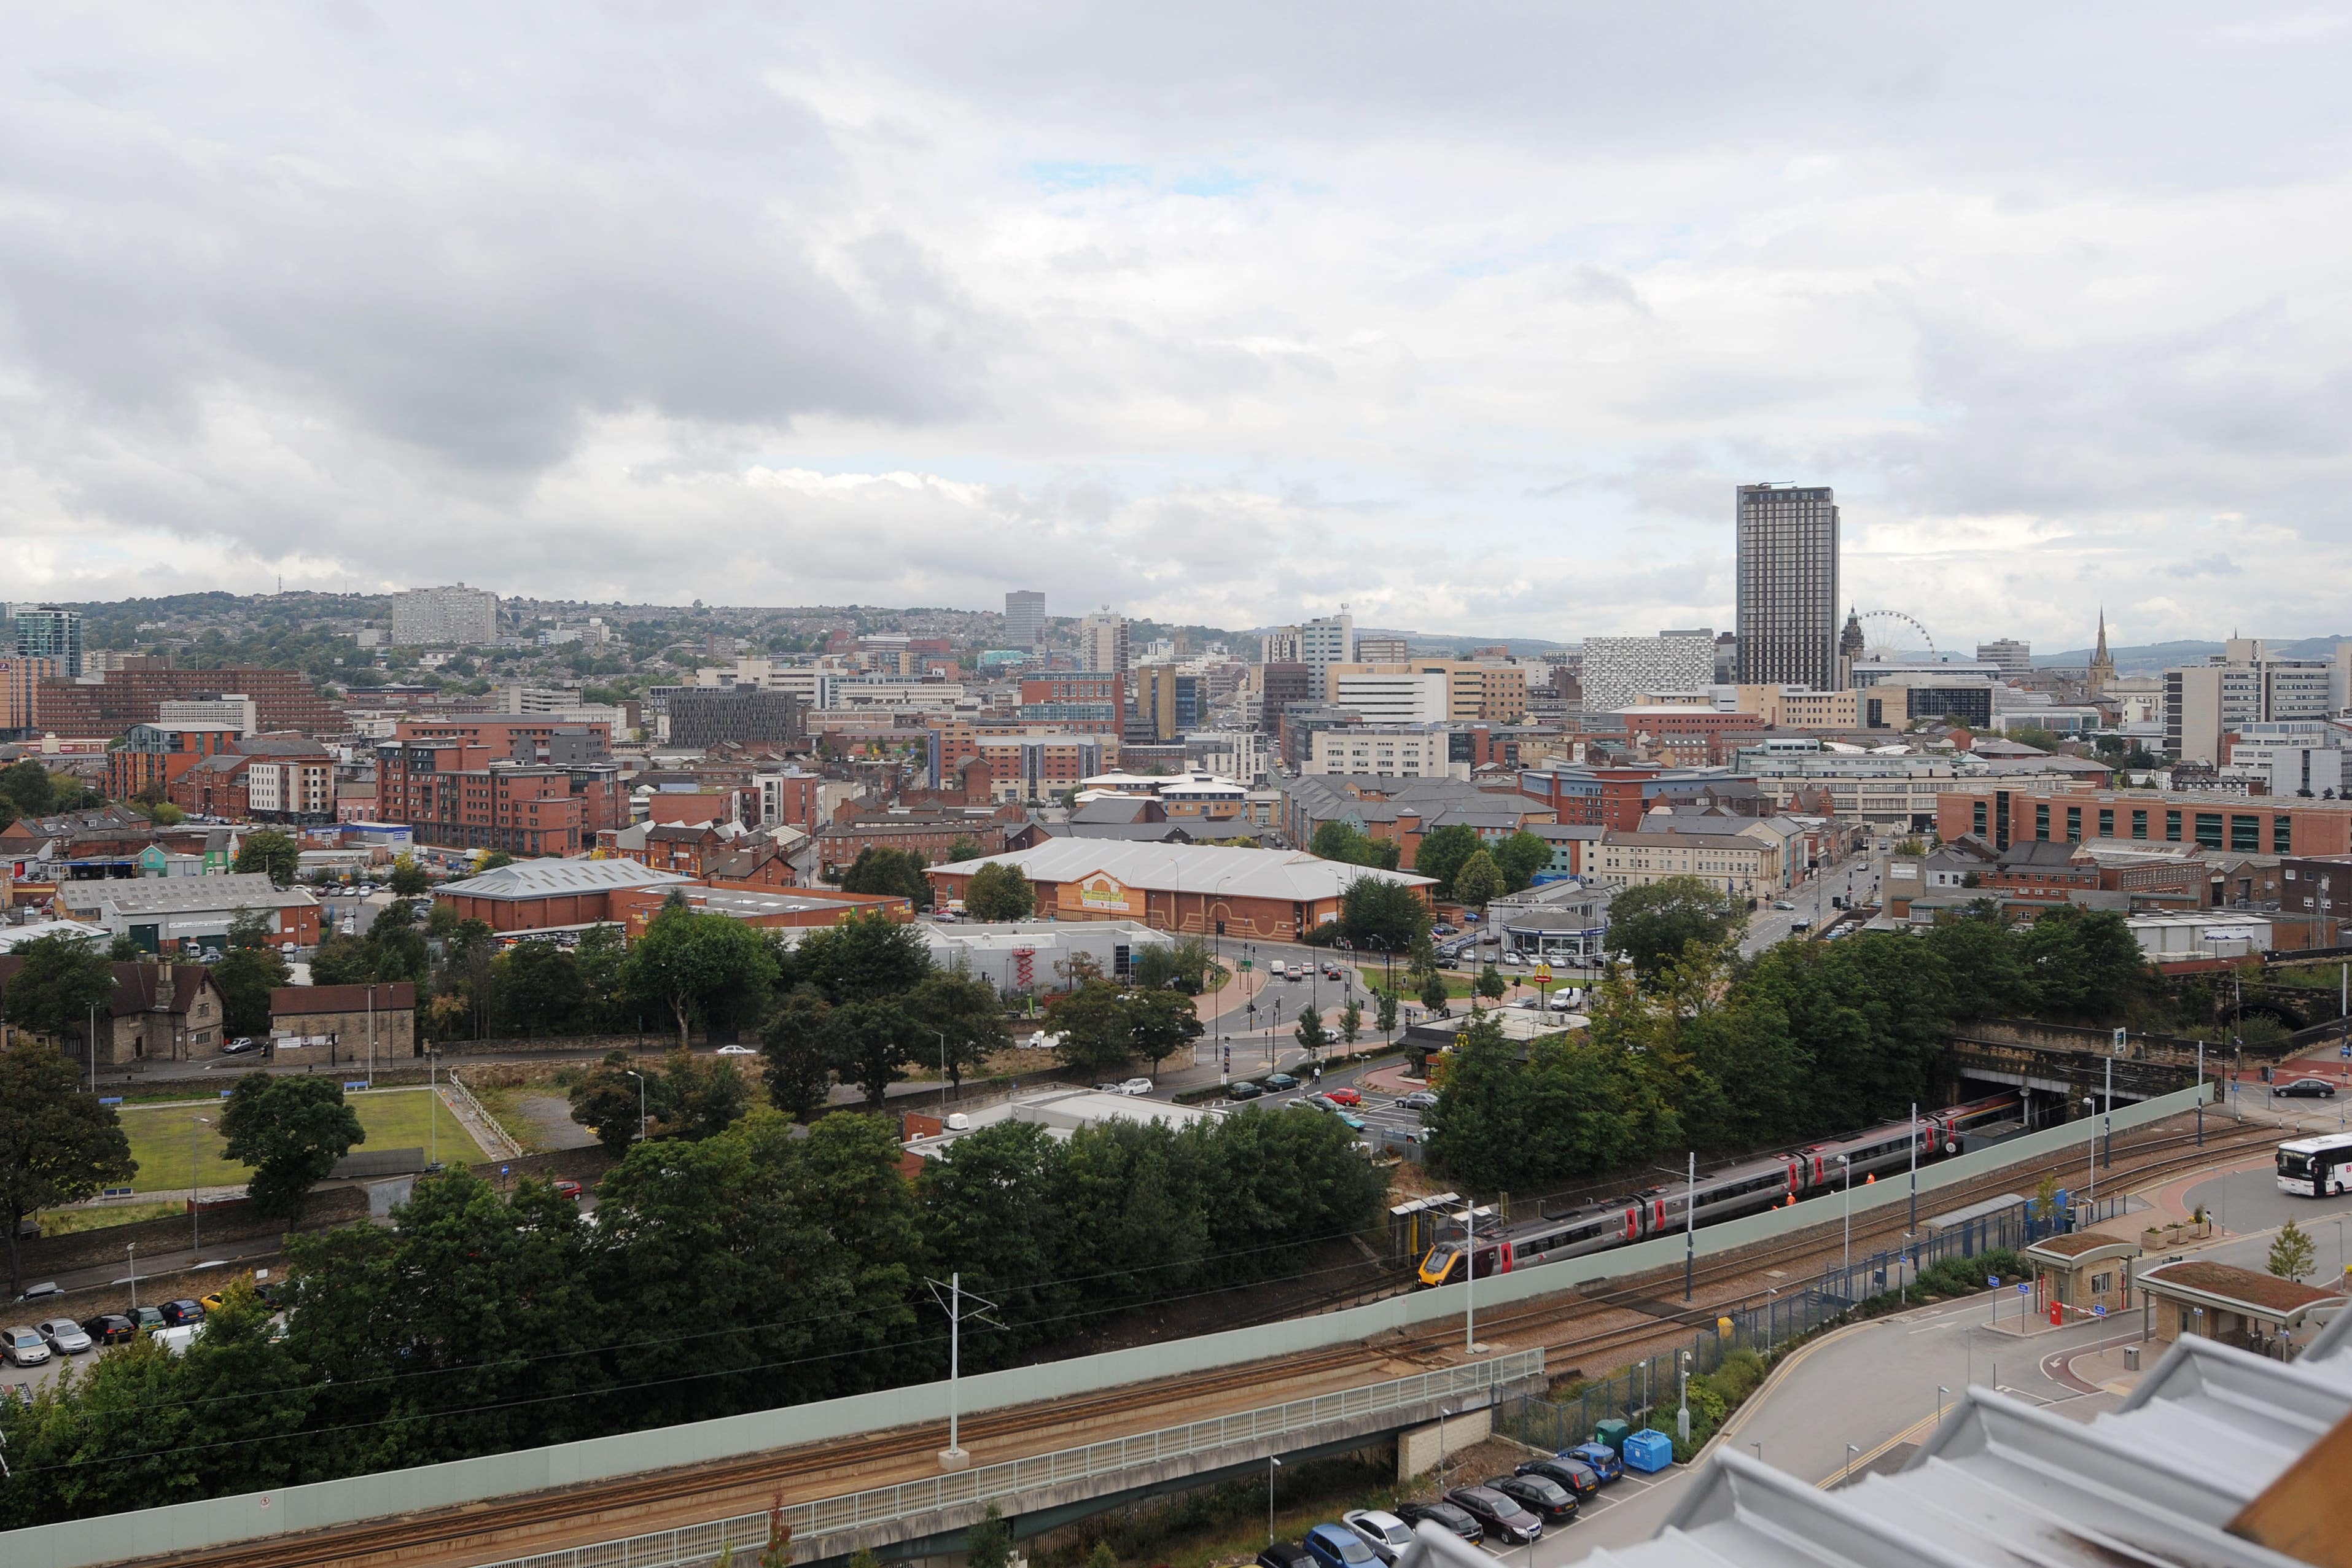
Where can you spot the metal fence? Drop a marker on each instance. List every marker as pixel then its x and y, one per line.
pixel 696 1545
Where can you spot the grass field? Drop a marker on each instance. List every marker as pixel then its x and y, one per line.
pixel 395 1119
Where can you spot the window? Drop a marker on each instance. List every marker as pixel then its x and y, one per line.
pixel 2106 821
pixel 2139 824
pixel 2282 834
pixel 2102 1284
pixel 2246 834
pixel 2208 830
pixel 2040 822
pixel 2172 827
pixel 1979 818
pixel 2073 824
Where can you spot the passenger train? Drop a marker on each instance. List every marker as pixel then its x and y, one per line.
pixel 1749 1188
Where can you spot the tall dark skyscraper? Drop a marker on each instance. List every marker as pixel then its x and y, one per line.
pixel 1788 585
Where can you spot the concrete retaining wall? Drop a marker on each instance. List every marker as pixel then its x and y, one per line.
pixel 184 1527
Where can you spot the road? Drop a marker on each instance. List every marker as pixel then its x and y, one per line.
pixel 1854 879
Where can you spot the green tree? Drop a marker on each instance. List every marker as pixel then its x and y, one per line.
pixel 123 948
pixel 2292 1253
pixel 268 853
pixel 246 973
pixel 492 862
pixel 539 989
pixel 998 891
pixel 61 981
pixel 601 960
pixel 2084 964
pixel 862 957
pixel 1444 852
pixel 888 872
pixel 2045 1201
pixel 57 1144
pixel 961 1013
pixel 989 1543
pixel 27 791
pixel 1491 984
pixel 1988 971
pixel 1384 1012
pixel 1093 1027
pixel 1351 1021
pixel 1435 995
pixel 872 1042
pixel 292 1131
pixel 1377 912
pixel 965 848
pixel 409 880
pixel 1478 882
pixel 701 1096
pixel 799 1051
pixel 1652 923
pixel 1311 1036
pixel 1519 858
pixel 1159 1023
pixel 1344 841
pixel 701 966
pixel 611 1104
pixel 1183 965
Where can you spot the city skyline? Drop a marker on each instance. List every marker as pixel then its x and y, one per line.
pixel 1469 325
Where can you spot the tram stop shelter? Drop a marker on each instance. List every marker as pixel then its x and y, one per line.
pixel 2254 1311
pixel 2082 1271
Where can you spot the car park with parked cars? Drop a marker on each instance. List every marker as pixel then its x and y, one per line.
pixel 1338 1546
pixel 1446 1516
pixel 63 1335
pixel 184 1311
pixel 1285 1554
pixel 146 1320
pixel 1505 1522
pixel 1244 1089
pixel 1600 1459
pixel 23 1346
pixel 109 1328
pixel 1576 1475
pixel 1540 1495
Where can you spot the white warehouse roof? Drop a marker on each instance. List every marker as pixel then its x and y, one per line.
pixel 553 878
pixel 1206 868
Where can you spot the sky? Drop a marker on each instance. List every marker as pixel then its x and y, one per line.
pixel 1467 317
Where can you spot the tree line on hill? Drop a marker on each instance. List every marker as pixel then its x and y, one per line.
pixel 747 1269
pixel 1692 1048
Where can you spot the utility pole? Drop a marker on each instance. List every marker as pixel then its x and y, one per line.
pixel 1690 1229
pixel 2201 1094
pixel 1915 1165
pixel 952 1456
pixel 1469 1282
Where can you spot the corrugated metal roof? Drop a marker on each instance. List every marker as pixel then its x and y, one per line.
pixel 1191 868
pixel 549 878
pixel 2002 1483
pixel 175 894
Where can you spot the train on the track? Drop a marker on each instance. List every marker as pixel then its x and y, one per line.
pixel 1749 1188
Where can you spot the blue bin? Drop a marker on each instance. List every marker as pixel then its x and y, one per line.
pixel 1649 1451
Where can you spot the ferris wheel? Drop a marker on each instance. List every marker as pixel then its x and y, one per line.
pixel 1880 648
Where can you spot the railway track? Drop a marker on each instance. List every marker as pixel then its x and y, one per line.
pixel 421 1537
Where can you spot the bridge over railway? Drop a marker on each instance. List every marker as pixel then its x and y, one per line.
pixel 1049 1442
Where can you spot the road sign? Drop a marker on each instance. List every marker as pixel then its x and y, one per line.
pixel 1248 964
pixel 2022 1287
pixel 2097 1312
pixel 1992 1281
pixel 1543 974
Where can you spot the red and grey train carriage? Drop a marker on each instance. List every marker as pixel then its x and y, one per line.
pixel 1749 1188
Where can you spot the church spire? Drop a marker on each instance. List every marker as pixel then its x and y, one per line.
pixel 2102 664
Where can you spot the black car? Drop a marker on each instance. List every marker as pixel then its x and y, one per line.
pixel 112 1328
pixel 1279 1082
pixel 2307 1088
pixel 186 1309
pixel 1507 1524
pixel 1540 1495
pixel 1244 1089
pixel 1285 1554
pixel 1578 1477
pixel 1446 1516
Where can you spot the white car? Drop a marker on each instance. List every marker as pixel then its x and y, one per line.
pixel 1384 1533
pixel 1044 1039
pixel 1136 1086
pixel 739 1051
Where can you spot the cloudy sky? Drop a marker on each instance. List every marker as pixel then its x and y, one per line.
pixel 1468 317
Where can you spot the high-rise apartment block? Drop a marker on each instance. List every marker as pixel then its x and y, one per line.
pixel 2242 685
pixel 50 632
pixel 1787 585
pixel 1325 641
pixel 1620 671
pixel 1102 643
pixel 457 615
pixel 1280 646
pixel 2014 658
pixel 1024 619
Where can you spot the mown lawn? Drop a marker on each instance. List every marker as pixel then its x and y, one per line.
pixel 395 1119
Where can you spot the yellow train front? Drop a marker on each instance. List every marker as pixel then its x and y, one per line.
pixel 1444 1264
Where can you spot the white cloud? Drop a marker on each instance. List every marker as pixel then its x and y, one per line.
pixel 1470 320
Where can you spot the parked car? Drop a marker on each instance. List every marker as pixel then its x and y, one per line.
pixel 109 1328
pixel 1506 1522
pixel 212 1302
pixel 1446 1516
pixel 1441 929
pixel 2308 1088
pixel 64 1336
pixel 42 1291
pixel 571 1189
pixel 240 1045
pixel 1384 1533
pixel 1347 1097
pixel 184 1310
pixel 1285 1554
pixel 1338 1546
pixel 1600 1459
pixel 1244 1089
pixel 1279 1082
pixel 1420 1100
pixel 737 1051
pixel 146 1319
pixel 1138 1087
pixel 20 1346
pixel 1574 1474
pixel 1540 1495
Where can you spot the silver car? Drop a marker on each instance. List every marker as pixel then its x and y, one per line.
pixel 63 1335
pixel 1385 1534
pixel 22 1347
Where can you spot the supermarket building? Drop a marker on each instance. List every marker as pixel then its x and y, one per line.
pixel 1207 890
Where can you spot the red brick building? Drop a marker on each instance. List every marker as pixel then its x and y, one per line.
pixel 284 700
pixel 262 778
pixel 2265 825
pixel 153 758
pixel 930 836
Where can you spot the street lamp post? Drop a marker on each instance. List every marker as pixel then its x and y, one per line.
pixel 2088 1105
pixel 1690 1229
pixel 1274 1464
pixel 195 1209
pixel 943 1064
pixel 135 1265
pixel 1915 1165
pixel 641 1101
